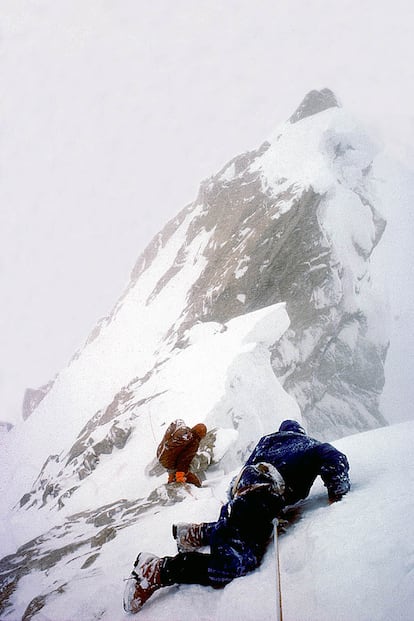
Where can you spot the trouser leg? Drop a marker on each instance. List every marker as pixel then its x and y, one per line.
pixel 185 458
pixel 209 529
pixel 225 562
pixel 187 568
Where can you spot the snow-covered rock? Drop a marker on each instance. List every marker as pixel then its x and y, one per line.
pixel 5 426
pixel 295 222
pixel 32 398
pixel 234 387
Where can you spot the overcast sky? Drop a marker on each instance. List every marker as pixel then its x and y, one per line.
pixel 113 112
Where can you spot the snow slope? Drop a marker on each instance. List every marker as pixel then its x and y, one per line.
pixel 351 560
pixel 222 376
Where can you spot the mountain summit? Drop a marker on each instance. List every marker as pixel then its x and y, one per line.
pixel 314 102
pixel 293 222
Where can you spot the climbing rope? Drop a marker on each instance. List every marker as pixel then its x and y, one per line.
pixel 279 612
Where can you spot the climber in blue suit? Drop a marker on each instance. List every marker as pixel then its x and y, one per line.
pixel 300 459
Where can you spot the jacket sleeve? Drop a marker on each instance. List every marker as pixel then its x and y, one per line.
pixel 334 471
pixel 258 449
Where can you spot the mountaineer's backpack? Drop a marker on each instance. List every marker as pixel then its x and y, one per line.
pixel 177 436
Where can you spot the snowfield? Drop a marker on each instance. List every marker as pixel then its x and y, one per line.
pixel 350 560
pixel 355 559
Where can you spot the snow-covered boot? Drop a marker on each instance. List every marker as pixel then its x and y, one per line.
pixel 145 579
pixel 188 536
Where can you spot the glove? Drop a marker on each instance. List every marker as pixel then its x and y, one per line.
pixel 335 498
pixel 180 477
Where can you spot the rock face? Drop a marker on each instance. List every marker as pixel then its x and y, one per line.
pixel 272 238
pixel 314 102
pixel 33 397
pixel 294 221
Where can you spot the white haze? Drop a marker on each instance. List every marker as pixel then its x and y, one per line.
pixel 112 113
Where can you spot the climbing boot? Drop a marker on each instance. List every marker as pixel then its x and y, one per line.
pixel 144 580
pixel 193 479
pixel 188 537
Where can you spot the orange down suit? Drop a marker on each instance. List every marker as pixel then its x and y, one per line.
pixel 179 445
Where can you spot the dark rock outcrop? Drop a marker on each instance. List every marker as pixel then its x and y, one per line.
pixel 32 398
pixel 313 103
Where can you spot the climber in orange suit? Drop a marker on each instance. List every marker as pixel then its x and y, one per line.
pixel 177 449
